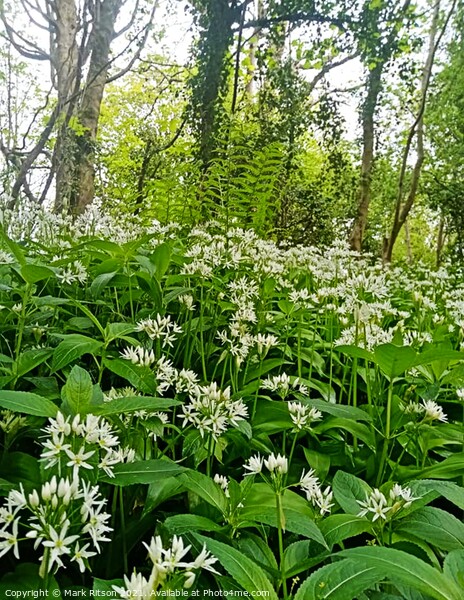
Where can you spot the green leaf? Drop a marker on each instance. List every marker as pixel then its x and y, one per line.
pixel 34 273
pixel 245 572
pixel 435 526
pixel 77 392
pixel 161 259
pixel 348 489
pixel 336 528
pixel 30 359
pixel 260 506
pixel 141 378
pixel 133 403
pixel 393 360
pixel 453 567
pixel 300 556
pixel 204 486
pixel 181 524
pixel 401 567
pixel 143 471
pixel 72 347
pixel 100 282
pixel 355 352
pixel 343 580
pixel 27 403
pixel 360 430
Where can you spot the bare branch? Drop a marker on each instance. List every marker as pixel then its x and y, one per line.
pixel 145 31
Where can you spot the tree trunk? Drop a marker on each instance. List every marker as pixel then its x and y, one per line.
pixel 402 210
pixel 374 85
pixel 210 80
pixel 89 109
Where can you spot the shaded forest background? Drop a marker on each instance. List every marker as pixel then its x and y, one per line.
pixel 251 129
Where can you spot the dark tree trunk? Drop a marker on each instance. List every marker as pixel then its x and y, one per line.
pixel 374 86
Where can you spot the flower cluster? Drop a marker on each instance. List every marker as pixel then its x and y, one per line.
pixel 303 415
pixel 380 506
pixel 319 498
pixel 211 410
pixel 76 445
pixel 160 328
pixel 65 519
pixel 428 410
pixel 167 563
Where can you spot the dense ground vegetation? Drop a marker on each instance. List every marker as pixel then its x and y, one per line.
pixel 208 411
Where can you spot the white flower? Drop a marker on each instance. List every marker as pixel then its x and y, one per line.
pixel 375 503
pixel 205 561
pixel 77 460
pixel 10 540
pixel 278 463
pixel 139 356
pixel 255 465
pixel 223 482
pixel 80 555
pixel 59 544
pixel 433 411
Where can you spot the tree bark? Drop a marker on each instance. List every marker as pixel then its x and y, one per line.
pixel 374 86
pixel 402 210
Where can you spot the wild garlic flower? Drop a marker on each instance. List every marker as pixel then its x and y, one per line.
pixel 72 273
pixel 277 383
pixel 433 411
pixel 211 410
pixel 264 343
pixel 460 394
pixel 375 503
pixel 59 517
pixel 319 498
pixel 223 483
pixel 11 422
pixel 167 563
pixel 79 444
pixel 254 465
pixel 138 355
pixel 6 258
pixel 160 328
pixel 187 301
pixel 303 415
pixel 277 464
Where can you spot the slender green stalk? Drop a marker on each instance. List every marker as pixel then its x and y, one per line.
pixel 280 524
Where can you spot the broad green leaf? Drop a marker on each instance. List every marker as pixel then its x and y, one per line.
pixel 302 555
pixel 100 282
pixel 27 403
pixel 161 491
pixel 181 524
pixel 342 580
pixel 361 431
pixel 348 489
pixel 161 258
pixel 144 471
pixel 355 352
pixel 141 378
pixel 77 392
pixel 450 468
pixel 133 403
pixel 30 359
pixel 401 567
pixel 453 567
pixel 260 506
pixel 393 360
pixel 72 347
pixel 32 273
pixel 245 572
pixel 435 526
pixel 206 488
pixel 336 528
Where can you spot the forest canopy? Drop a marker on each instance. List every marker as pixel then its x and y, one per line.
pixel 306 120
